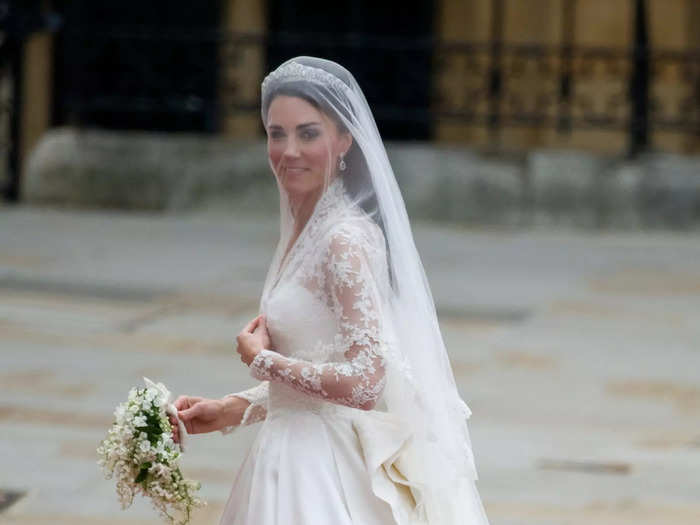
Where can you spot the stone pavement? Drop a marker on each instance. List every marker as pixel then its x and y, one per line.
pixel 578 353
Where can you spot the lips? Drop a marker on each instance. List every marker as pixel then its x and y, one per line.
pixel 295 169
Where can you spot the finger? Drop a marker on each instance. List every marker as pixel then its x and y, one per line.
pixel 241 343
pixel 254 325
pixel 247 328
pixel 185 402
pixel 173 427
pixel 189 413
pixel 261 328
pixel 189 425
pixel 251 325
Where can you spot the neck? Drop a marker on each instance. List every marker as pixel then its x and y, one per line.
pixel 303 206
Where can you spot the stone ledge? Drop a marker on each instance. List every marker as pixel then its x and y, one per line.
pixel 146 171
pixel 176 172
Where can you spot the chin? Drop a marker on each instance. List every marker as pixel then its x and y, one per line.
pixel 298 186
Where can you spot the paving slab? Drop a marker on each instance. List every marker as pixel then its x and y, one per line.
pixel 578 353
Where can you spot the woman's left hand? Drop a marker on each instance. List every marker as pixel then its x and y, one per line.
pixel 252 339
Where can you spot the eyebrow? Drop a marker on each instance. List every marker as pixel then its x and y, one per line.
pixel 305 125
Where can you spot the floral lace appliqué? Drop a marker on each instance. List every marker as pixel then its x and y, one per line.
pixel 256 411
pixel 347 278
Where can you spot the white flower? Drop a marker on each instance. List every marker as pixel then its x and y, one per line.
pixel 126 451
pixel 119 413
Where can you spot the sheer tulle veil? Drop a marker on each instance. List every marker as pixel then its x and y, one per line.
pixel 420 389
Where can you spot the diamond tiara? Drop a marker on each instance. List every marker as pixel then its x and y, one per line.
pixel 297 71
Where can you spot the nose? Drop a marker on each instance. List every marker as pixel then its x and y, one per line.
pixel 292 148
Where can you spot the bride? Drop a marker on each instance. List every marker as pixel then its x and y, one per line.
pixel 362 422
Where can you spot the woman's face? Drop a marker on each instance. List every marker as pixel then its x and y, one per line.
pixel 303 144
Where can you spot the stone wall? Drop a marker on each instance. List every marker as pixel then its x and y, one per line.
pixel 168 172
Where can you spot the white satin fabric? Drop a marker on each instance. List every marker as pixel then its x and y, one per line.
pixel 362 419
pixel 316 465
pixel 316 461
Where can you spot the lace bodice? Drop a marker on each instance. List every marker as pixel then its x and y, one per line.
pixel 325 315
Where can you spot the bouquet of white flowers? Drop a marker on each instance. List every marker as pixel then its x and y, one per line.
pixel 140 453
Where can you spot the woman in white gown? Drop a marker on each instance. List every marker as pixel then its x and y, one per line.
pixel 361 420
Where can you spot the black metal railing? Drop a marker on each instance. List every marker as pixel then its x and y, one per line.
pixel 635 90
pixel 190 79
pixel 494 85
pixel 18 21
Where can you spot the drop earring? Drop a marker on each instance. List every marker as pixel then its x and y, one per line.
pixel 342 164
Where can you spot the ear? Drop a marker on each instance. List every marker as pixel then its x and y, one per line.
pixel 344 142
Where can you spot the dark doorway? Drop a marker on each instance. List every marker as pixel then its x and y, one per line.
pixel 137 65
pixel 386 46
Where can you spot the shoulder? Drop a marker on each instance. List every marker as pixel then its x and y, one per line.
pixel 354 253
pixel 355 234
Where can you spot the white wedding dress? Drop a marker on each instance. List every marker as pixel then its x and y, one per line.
pixel 325 453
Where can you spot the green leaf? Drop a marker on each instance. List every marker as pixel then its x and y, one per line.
pixel 143 473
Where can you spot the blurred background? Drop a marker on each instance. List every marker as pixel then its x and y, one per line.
pixel 549 155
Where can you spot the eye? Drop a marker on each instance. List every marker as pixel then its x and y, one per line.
pixel 309 134
pixel 276 134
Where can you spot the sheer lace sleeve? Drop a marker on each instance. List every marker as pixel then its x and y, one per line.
pixel 256 411
pixel 348 269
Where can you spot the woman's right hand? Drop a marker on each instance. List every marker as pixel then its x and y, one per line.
pixel 198 414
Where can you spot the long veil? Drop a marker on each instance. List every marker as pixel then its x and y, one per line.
pixel 421 388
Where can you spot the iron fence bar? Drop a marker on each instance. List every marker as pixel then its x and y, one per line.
pixel 565 82
pixel 11 191
pixel 565 64
pixel 639 83
pixel 495 88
